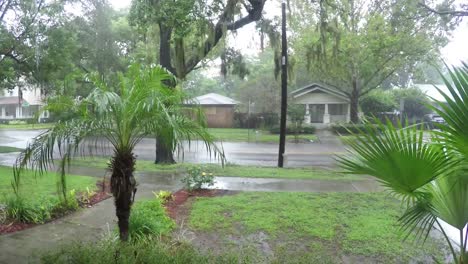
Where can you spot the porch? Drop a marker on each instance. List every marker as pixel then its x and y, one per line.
pixel 323 104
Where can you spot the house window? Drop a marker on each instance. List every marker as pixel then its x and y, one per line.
pixel 337 109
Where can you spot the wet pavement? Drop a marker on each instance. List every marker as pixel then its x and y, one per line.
pixel 320 153
pixel 293 185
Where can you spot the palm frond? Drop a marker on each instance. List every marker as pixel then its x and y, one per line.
pixel 455 110
pixel 398 157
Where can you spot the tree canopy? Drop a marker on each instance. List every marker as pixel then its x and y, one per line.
pixel 357 45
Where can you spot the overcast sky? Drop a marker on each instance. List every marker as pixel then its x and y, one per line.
pixel 247 40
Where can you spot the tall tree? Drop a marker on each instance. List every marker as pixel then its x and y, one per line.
pixel 188 31
pixel 22 25
pixel 355 45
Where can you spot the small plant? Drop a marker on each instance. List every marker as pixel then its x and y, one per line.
pixel 164 196
pixel 197 177
pixel 85 197
pixel 39 211
pixel 149 218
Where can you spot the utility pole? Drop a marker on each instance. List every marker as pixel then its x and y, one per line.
pixel 284 86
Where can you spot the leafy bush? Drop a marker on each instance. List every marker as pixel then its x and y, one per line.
pixel 255 120
pixel 345 129
pixel 149 250
pixel 292 130
pixel 197 177
pixel 164 196
pixel 415 101
pixel 39 211
pixel 149 218
pixel 378 101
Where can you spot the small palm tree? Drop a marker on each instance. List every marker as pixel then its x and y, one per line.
pixel 141 106
pixel 428 173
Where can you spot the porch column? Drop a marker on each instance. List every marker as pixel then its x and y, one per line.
pixel 348 114
pixel 307 115
pixel 17 114
pixel 3 112
pixel 326 115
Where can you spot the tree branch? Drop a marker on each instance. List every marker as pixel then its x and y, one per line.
pixel 254 14
pixel 7 6
pixel 457 13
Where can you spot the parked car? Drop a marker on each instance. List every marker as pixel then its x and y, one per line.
pixel 432 119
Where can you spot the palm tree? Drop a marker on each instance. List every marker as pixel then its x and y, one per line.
pixel 429 174
pixel 141 106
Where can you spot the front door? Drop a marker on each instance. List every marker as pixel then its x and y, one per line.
pixel 316 113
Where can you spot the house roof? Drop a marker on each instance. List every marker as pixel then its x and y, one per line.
pixel 212 99
pixel 313 87
pixel 10 100
pixel 432 92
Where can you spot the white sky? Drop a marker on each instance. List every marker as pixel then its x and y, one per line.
pixel 247 41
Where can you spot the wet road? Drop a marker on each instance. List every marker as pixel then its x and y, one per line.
pixel 260 154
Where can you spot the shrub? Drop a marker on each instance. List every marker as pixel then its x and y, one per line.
pixel 345 129
pixel 307 129
pixel 378 101
pixel 39 211
pixel 415 102
pixel 149 218
pixel 197 177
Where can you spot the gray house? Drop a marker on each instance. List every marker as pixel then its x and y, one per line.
pixel 323 104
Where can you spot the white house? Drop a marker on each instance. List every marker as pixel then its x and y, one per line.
pixel 26 106
pixel 431 91
pixel 323 104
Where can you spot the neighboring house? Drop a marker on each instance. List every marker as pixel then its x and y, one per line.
pixel 323 104
pixel 432 92
pixel 25 106
pixel 219 110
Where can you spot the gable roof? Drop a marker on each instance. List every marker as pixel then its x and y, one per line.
pixel 432 92
pixel 313 87
pixel 10 100
pixel 212 99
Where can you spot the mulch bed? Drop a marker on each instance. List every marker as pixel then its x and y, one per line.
pixel 181 196
pixel 100 195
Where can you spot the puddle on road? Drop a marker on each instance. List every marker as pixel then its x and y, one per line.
pixel 281 185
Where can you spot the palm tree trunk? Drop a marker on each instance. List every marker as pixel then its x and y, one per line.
pixel 123 186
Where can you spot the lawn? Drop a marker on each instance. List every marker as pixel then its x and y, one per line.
pixel 26 126
pixel 251 135
pixel 309 227
pixel 231 170
pixel 5 149
pixel 41 187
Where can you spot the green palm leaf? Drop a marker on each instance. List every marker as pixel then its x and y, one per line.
pixel 399 158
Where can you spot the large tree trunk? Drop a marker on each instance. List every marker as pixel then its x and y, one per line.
pixel 123 187
pixel 163 153
pixel 354 103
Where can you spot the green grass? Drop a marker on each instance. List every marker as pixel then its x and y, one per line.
pixel 151 250
pixel 35 188
pixel 231 170
pixel 330 225
pixel 242 135
pixel 26 126
pixel 5 149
